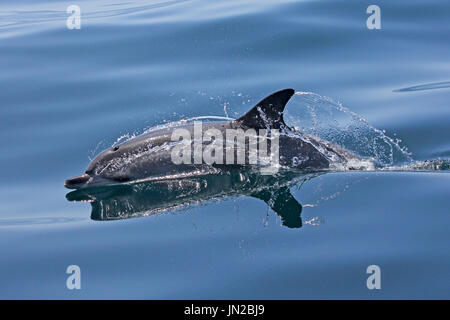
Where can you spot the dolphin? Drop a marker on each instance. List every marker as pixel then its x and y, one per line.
pixel 149 157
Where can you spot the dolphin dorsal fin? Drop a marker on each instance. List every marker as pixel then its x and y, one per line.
pixel 268 113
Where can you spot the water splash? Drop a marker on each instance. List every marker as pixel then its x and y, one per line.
pixel 122 138
pixel 331 121
pixel 427 165
pixel 94 151
pixel 316 221
pixel 181 122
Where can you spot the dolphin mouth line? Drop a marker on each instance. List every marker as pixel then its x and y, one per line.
pixel 77 182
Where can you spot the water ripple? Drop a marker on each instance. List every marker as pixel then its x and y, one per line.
pixel 428 86
pixel 13 19
pixel 31 221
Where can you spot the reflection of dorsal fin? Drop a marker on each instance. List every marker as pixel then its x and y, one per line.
pixel 284 204
pixel 268 113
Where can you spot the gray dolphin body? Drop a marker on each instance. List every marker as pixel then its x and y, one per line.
pixel 149 156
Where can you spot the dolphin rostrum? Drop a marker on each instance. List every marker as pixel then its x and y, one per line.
pixel 160 154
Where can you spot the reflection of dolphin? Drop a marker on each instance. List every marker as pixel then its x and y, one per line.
pixel 142 199
pixel 149 156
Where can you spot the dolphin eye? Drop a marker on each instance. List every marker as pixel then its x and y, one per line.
pixel 115 148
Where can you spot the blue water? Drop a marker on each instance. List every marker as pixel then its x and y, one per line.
pixel 65 95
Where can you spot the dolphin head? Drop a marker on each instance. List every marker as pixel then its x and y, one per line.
pixel 106 168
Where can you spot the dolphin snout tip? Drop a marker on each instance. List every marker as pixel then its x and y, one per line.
pixel 77 182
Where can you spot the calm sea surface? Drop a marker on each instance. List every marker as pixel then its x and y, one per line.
pixel 65 95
